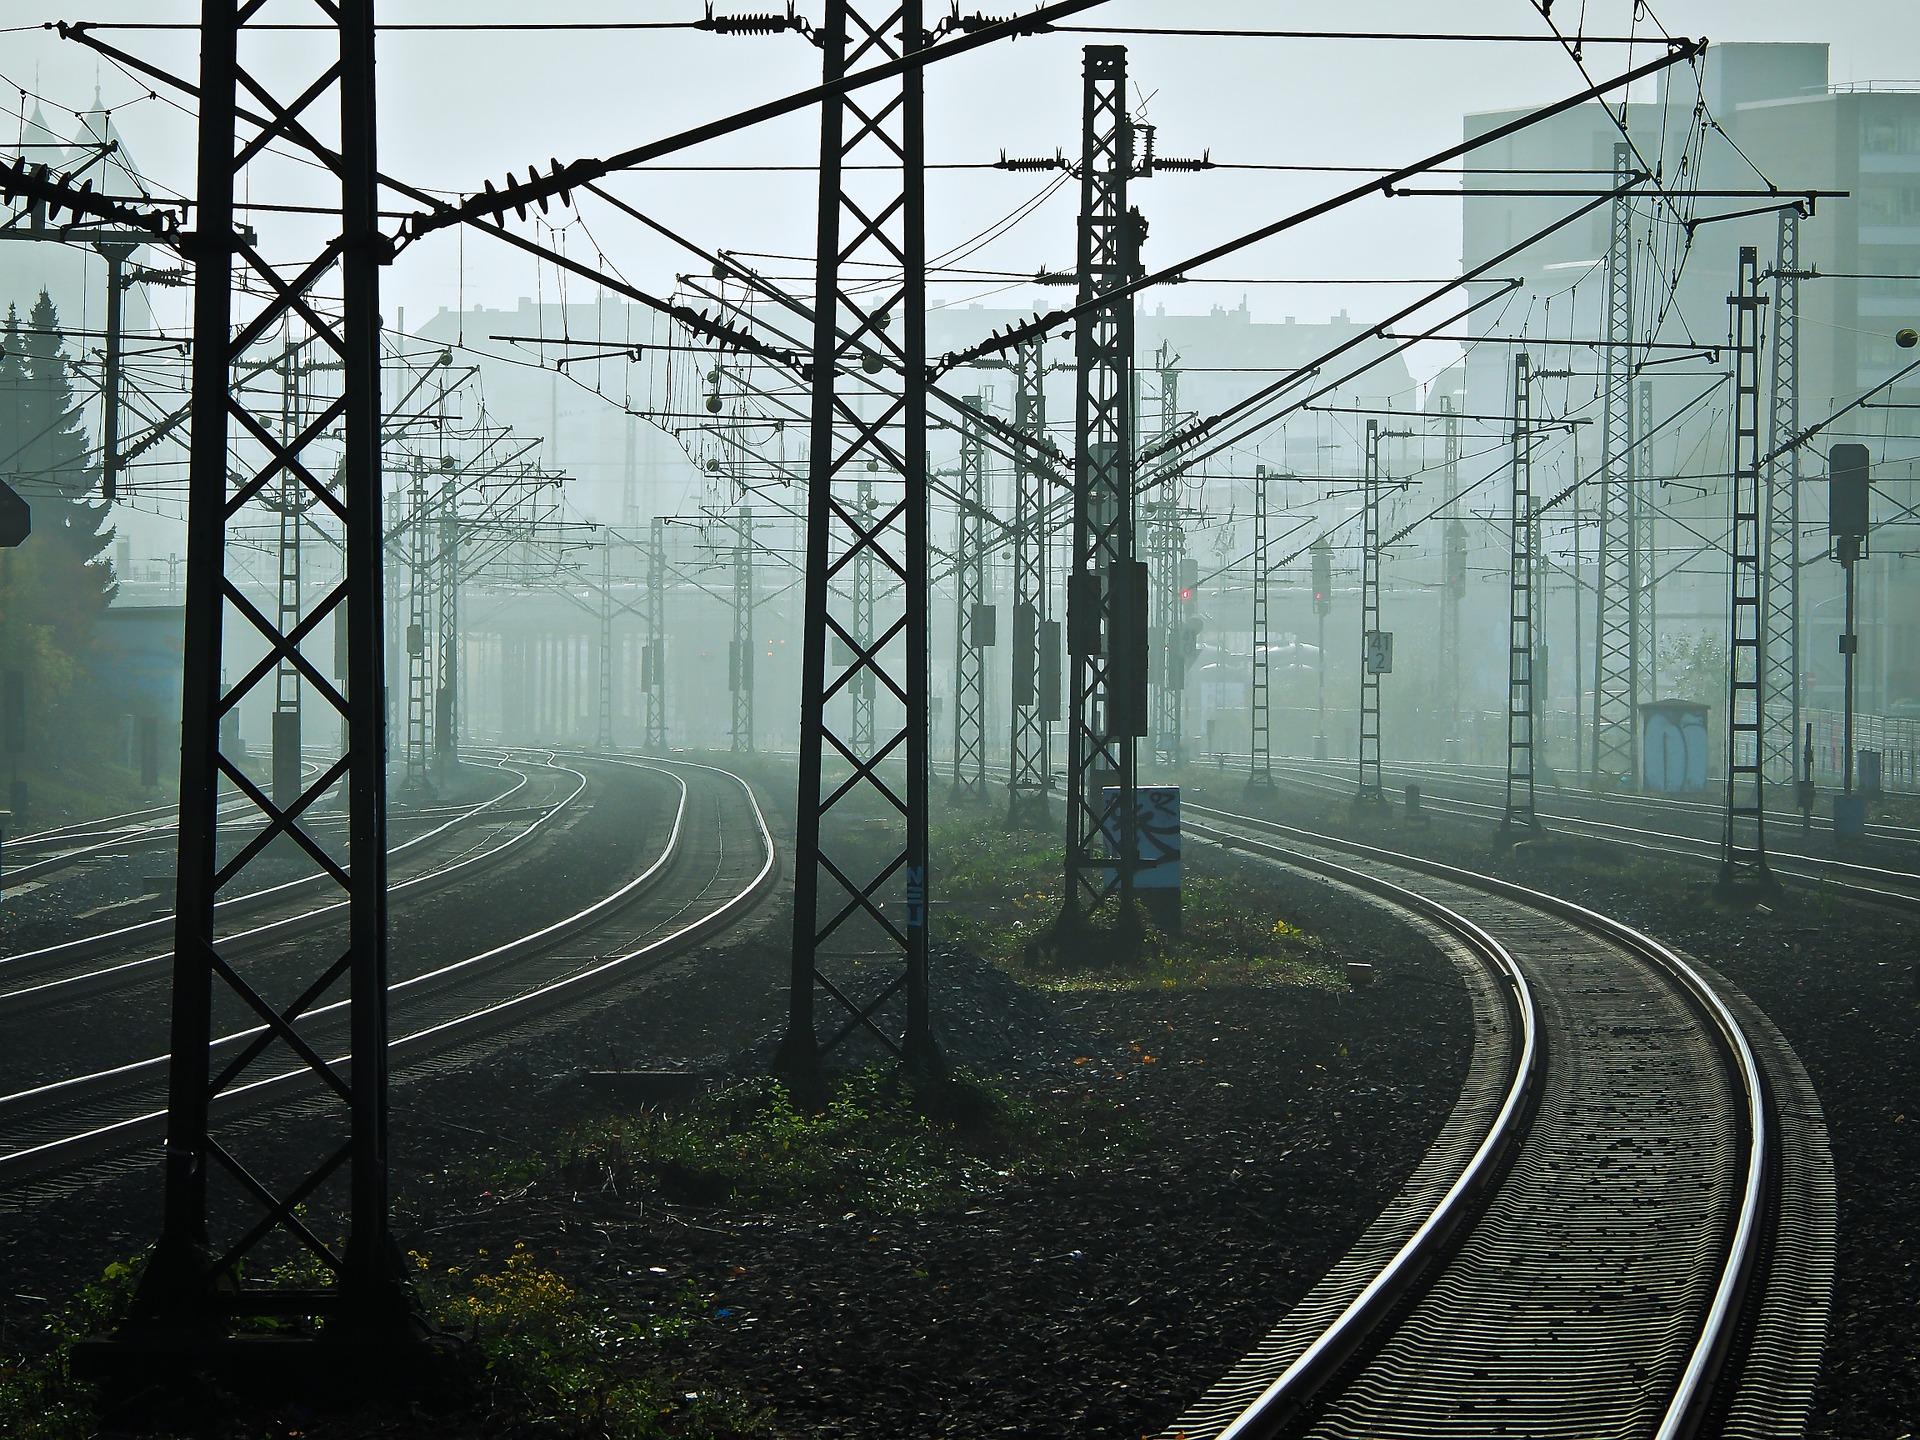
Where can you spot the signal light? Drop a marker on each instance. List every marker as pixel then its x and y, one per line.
pixel 1186 592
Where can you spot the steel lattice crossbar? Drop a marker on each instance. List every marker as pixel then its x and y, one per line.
pixel 1615 673
pixel 237 455
pixel 859 887
pixel 1103 589
pixel 1743 847
pixel 1520 578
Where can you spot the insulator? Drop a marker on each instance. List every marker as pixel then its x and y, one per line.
pixel 763 24
pixel 1025 165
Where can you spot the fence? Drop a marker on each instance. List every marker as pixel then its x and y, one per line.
pixel 1895 739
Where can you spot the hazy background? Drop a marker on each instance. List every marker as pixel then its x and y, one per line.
pixel 459 109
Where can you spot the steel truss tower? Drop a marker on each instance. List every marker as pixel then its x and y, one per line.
pixel 1743 844
pixel 653 659
pixel 1646 556
pixel 446 713
pixel 970 621
pixel 1166 549
pixel 421 612
pixel 852 895
pixel 1370 789
pixel 864 692
pixel 290 502
pixel 603 710
pixel 1522 712
pixel 1260 745
pixel 1453 571
pixel 1780 552
pixel 1106 591
pixel 1616 596
pixel 741 652
pixel 199 1280
pixel 1167 541
pixel 1030 775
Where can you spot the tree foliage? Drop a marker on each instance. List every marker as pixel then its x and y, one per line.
pixel 54 587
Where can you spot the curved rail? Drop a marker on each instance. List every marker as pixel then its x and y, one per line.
pixel 73 1148
pixel 92 981
pixel 1684 1410
pixel 1337 1343
pixel 1824 872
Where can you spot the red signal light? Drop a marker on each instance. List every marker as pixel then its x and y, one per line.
pixel 1186 592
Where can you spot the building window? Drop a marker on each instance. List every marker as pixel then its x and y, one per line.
pixel 1890 205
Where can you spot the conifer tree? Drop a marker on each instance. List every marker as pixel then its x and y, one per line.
pixel 54 465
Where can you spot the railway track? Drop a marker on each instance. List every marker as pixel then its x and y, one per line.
pixel 1790 860
pixel 716 861
pixel 468 840
pixel 34 856
pixel 1626 1227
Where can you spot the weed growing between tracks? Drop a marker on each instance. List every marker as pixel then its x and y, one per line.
pixel 544 1358
pixel 882 1143
pixel 1003 895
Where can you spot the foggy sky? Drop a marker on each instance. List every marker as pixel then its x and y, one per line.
pixel 457 110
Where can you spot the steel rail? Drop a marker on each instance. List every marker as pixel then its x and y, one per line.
pixel 1826 873
pixel 1337 1343
pixel 46 1156
pixel 1491 776
pixel 1683 1413
pixel 89 982
pixel 105 941
pixel 89 837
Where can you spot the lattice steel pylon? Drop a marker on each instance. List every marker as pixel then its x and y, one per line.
pixel 603 708
pixel 1106 593
pixel 1453 568
pixel 446 714
pixel 1166 548
pixel 850 894
pixel 653 658
pixel 1743 843
pixel 1521 709
pixel 1646 553
pixel 864 692
pixel 1370 789
pixel 199 1279
pixel 1260 708
pixel 420 614
pixel 1167 544
pixel 1030 773
pixel 1780 544
pixel 740 651
pixel 969 592
pixel 290 504
pixel 1616 597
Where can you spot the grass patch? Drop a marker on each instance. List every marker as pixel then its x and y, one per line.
pixel 1002 895
pixel 546 1360
pixel 882 1143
